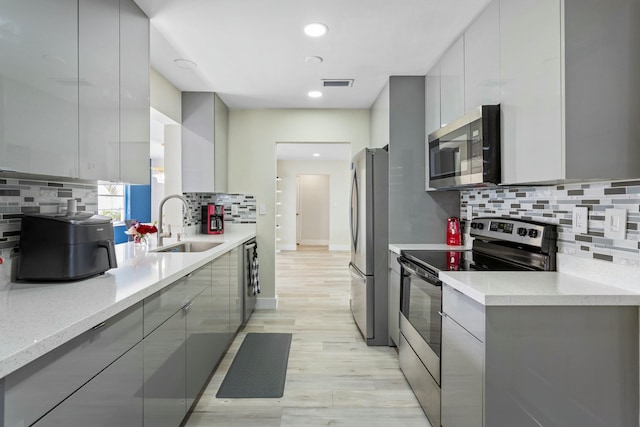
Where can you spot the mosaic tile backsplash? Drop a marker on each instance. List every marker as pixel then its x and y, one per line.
pixel 245 203
pixel 21 196
pixel 554 205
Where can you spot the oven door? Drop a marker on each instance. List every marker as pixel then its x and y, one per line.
pixel 420 308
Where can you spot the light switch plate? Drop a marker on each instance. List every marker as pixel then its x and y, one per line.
pixel 234 209
pixel 580 220
pixel 262 209
pixel 615 224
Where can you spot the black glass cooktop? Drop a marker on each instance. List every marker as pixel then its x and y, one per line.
pixel 440 260
pixel 460 260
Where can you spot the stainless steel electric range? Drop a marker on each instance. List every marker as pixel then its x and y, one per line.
pixel 500 244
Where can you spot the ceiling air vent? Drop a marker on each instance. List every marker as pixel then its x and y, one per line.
pixel 337 82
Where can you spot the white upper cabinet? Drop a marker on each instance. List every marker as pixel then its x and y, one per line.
pixel 531 86
pixel 204 143
pixel 39 87
pixel 570 85
pixel 74 84
pixel 135 167
pixel 452 83
pixel 432 99
pixel 99 56
pixel 482 59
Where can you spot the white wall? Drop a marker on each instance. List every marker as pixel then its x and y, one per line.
pixel 380 119
pixel 252 161
pixel 338 172
pixel 167 99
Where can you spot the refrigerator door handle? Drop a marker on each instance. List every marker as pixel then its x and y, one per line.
pixel 355 199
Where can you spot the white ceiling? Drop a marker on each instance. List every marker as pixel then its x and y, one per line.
pixel 306 151
pixel 252 52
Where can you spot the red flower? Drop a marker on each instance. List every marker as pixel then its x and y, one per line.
pixel 146 229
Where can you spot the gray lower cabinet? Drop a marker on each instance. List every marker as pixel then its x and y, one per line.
pixel 165 373
pixel 505 366
pixel 394 298
pixel 143 367
pixel 236 291
pixel 112 398
pixel 201 343
pixel 221 318
pixel 462 373
pixel 33 390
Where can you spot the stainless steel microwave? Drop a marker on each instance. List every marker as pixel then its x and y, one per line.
pixel 466 152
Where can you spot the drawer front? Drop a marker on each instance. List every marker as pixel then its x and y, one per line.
pixel 165 303
pixel 466 312
pixel 39 386
pixel 426 390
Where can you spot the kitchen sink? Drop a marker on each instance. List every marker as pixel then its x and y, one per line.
pixel 188 247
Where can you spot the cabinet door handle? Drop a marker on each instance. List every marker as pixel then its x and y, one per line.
pixel 187 306
pixel 442 314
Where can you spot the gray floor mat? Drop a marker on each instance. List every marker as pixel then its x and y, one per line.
pixel 259 369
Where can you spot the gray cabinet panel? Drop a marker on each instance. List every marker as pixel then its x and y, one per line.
pixel 235 292
pixel 99 57
pixel 198 165
pixel 394 298
pixel 452 83
pixel 200 342
pixel 36 388
pixel 39 87
pixel 162 305
pixel 112 398
pixel 462 376
pixel 134 94
pixel 221 319
pixel 432 99
pixel 164 374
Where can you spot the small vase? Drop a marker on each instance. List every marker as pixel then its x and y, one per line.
pixel 140 240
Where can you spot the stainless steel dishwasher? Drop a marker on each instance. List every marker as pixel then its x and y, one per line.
pixel 251 284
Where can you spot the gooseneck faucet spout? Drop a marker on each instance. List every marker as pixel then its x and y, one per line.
pixel 161 233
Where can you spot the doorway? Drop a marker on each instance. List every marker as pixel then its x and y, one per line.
pixel 312 210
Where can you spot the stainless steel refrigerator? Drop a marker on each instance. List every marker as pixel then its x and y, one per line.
pixel 369 220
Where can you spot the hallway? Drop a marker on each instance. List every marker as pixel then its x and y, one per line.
pixel 333 378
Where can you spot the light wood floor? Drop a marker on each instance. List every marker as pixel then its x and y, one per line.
pixel 333 377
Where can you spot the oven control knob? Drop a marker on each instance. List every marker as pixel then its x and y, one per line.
pixel 474 225
pixel 522 231
pixel 533 233
pixel 480 226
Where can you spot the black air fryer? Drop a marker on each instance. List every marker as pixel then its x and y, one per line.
pixel 65 247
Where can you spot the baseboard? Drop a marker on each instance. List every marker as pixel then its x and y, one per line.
pixel 287 247
pixel 267 303
pixel 315 242
pixel 339 247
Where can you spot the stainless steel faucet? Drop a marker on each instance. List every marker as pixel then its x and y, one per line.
pixel 161 233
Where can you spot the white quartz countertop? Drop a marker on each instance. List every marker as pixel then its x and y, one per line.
pixel 397 247
pixel 501 288
pixel 35 318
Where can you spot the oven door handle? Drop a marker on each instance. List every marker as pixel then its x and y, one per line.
pixel 414 269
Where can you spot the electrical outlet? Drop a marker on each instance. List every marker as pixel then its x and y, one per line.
pixel 469 212
pixel 234 209
pixel 262 209
pixel 615 224
pixel 580 219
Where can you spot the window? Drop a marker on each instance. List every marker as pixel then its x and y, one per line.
pixel 111 200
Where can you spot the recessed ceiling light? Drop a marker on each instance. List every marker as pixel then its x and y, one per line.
pixel 315 94
pixel 313 59
pixel 316 29
pixel 186 64
pixel 316 154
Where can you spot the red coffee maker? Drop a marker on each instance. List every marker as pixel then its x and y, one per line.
pixel 212 217
pixel 453 231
